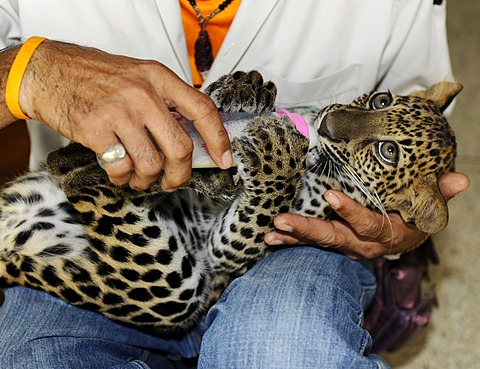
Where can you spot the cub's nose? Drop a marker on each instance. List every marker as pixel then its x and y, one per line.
pixel 326 128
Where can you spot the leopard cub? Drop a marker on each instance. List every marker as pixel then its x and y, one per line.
pixel 156 261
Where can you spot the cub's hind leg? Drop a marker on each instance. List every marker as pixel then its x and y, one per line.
pixel 37 225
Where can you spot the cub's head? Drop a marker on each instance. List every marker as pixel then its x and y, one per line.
pixel 394 148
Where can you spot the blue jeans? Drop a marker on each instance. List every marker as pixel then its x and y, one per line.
pixel 299 308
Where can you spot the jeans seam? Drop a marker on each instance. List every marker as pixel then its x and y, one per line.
pixel 194 340
pixel 363 296
pixel 137 363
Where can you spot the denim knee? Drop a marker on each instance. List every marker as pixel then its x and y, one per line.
pixel 299 308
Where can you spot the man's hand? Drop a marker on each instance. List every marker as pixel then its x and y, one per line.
pixel 363 233
pixel 99 100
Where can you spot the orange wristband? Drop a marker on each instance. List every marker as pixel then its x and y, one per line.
pixel 15 76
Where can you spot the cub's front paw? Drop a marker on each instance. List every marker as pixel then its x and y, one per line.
pixel 243 92
pixel 271 154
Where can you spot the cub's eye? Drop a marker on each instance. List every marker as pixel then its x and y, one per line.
pixel 381 100
pixel 388 152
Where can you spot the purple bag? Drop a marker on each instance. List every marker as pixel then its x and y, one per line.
pixel 404 299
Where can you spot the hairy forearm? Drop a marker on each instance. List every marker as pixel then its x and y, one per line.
pixel 40 82
pixel 46 83
pixel 6 59
pixel 99 99
pixel 49 81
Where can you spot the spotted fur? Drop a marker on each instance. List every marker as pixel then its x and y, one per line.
pixel 156 261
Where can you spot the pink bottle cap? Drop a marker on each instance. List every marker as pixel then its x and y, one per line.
pixel 300 123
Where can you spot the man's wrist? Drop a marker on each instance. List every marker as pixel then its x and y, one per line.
pixel 7 56
pixel 17 73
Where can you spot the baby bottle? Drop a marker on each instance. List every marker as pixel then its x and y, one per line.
pixel 234 124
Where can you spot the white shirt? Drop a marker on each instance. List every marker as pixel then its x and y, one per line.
pixel 317 52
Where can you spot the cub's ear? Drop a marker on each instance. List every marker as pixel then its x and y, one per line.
pixel 441 93
pixel 426 207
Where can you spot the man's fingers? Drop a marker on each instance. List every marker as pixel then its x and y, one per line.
pixel 145 163
pixel 365 222
pixel 293 229
pixel 200 109
pixel 336 235
pixel 177 169
pixel 215 136
pixel 297 229
pixel 176 147
pixel 362 234
pixel 276 238
pixel 451 184
pixel 120 172
pixel 372 229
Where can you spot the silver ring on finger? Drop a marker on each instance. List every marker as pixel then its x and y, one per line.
pixel 113 154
